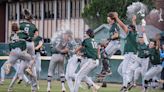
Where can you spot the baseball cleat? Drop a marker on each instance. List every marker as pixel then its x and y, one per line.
pixel 123 89
pixel 48 89
pixel 85 86
pixel 20 81
pixel 104 84
pixel 29 71
pixel 38 87
pixel 1 83
pixel 63 90
pixel 9 90
pixel 28 83
pixel 131 86
pixel 144 90
pixel 96 88
pixel 7 68
pixel 33 90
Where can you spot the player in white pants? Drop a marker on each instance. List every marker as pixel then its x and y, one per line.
pixel 128 65
pixel 17 46
pixel 60 48
pixel 114 37
pixel 143 62
pixel 114 31
pixel 74 61
pixel 28 27
pixel 91 53
pixel 16 67
pixel 142 69
pixel 38 41
pixel 156 66
pixel 71 68
pixel 20 72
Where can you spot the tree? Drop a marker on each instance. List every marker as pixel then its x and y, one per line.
pixel 96 11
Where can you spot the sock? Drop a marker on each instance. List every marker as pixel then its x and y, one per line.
pixel 49 82
pixel 63 84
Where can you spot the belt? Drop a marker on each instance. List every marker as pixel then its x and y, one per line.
pixel 144 57
pixel 29 40
pixel 115 39
pixel 155 65
pixel 90 58
pixel 130 53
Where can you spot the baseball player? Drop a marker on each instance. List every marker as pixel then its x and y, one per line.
pixel 114 43
pixel 60 48
pixel 156 67
pixel 16 67
pixel 20 72
pixel 114 34
pixel 28 27
pixel 91 54
pixel 18 48
pixel 38 41
pixel 73 62
pixel 143 62
pixel 18 52
pixel 127 66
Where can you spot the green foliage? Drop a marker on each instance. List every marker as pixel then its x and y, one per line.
pixel 95 13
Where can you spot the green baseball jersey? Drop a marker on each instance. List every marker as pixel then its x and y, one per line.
pixel 17 40
pixel 37 40
pixel 154 56
pixel 29 28
pixel 143 50
pixel 131 42
pixel 114 28
pixel 90 48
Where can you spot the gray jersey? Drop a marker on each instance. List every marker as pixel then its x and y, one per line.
pixel 58 44
pixel 73 44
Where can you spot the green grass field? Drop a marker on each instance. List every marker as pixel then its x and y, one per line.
pixel 57 88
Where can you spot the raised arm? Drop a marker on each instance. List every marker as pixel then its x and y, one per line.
pixel 98 52
pixel 134 20
pixel 145 36
pixel 157 41
pixel 121 24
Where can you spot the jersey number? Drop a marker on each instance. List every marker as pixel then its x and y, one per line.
pixel 94 44
pixel 26 29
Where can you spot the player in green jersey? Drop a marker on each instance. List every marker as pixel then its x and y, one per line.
pixel 38 41
pixel 156 67
pixel 92 54
pixel 127 66
pixel 28 27
pixel 18 52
